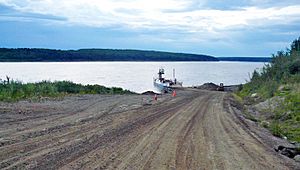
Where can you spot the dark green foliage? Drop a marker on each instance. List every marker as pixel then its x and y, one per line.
pixel 281 77
pixel 16 90
pixel 284 68
pixel 276 129
pixel 296 45
pixel 246 59
pixel 294 67
pixel 34 55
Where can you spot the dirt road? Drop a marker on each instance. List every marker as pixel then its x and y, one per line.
pixel 194 130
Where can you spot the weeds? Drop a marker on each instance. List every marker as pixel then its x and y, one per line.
pixel 281 77
pixel 15 90
pixel 276 129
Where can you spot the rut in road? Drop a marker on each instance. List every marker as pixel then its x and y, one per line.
pixel 191 131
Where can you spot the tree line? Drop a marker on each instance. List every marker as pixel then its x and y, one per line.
pixel 279 79
pixel 38 55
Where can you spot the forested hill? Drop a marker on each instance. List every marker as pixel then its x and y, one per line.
pixel 246 59
pixel 35 55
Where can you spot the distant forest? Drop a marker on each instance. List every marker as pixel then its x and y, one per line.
pixel 246 59
pixel 46 55
pixel 50 55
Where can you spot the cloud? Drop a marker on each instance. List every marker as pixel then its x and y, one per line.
pixel 185 24
pixel 156 14
pixel 14 15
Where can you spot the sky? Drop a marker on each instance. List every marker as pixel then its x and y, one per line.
pixel 218 28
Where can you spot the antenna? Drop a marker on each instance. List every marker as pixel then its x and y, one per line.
pixel 173 73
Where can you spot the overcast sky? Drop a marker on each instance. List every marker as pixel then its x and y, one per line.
pixel 218 27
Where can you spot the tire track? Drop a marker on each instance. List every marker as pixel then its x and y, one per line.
pixel 195 130
pixel 185 143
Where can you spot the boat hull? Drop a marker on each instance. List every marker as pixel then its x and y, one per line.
pixel 160 85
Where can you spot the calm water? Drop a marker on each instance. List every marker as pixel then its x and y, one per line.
pixel 135 76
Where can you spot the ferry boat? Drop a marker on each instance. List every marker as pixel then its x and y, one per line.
pixel 165 84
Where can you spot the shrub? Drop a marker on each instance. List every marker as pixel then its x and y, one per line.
pixel 276 129
pixel 265 124
pixel 283 71
pixel 17 90
pixel 294 67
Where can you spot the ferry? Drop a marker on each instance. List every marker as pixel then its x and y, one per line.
pixel 163 84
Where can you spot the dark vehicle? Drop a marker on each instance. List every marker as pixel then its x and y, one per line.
pixel 221 87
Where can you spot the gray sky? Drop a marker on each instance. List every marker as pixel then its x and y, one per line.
pixel 219 27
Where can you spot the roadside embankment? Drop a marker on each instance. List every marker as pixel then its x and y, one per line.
pixel 272 98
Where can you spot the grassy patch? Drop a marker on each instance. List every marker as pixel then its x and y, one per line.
pixel 281 77
pixel 276 129
pixel 15 90
pixel 250 116
pixel 238 98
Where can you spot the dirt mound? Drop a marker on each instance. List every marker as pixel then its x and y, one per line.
pixel 208 86
pixel 214 87
pixel 149 93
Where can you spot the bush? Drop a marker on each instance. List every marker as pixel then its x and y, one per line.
pixel 283 71
pixel 16 90
pixel 276 129
pixel 265 124
pixel 294 67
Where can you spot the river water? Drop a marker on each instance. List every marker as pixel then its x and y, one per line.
pixel 134 76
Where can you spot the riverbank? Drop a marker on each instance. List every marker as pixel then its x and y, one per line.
pixel 14 90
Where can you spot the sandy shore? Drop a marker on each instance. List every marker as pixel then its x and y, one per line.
pixel 197 129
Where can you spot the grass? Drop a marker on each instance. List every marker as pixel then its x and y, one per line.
pixel 244 111
pixel 16 90
pixel 286 116
pixel 281 77
pixel 238 98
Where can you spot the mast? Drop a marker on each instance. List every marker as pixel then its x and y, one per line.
pixel 173 74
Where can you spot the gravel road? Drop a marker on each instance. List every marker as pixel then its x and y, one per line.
pixel 195 130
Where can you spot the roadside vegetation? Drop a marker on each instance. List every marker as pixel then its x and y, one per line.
pixel 280 80
pixel 15 90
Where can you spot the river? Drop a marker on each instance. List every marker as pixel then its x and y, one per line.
pixel 134 76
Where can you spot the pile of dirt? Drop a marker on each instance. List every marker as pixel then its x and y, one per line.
pixel 208 86
pixel 150 93
pixel 213 87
